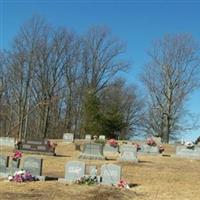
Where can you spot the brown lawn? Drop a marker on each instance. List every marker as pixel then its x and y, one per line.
pixel 153 178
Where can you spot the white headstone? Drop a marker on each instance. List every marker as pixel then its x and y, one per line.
pixel 102 137
pixel 68 137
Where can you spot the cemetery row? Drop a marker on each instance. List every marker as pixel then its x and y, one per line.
pixel 92 151
pixel 110 174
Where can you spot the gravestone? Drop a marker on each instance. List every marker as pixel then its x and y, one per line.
pixel 68 137
pixel 3 166
pixel 14 166
pixel 74 170
pixel 128 153
pixel 147 149
pixel 110 174
pixel 102 137
pixel 7 141
pixel 39 146
pixel 88 137
pixel 92 151
pixel 92 171
pixel 110 149
pixel 183 151
pixel 33 165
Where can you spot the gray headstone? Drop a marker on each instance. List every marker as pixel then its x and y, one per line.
pixel 7 141
pixel 111 149
pixel 33 165
pixel 92 171
pixel 128 153
pixel 74 170
pixel 183 151
pixel 102 137
pixel 147 149
pixel 68 137
pixel 110 174
pixel 14 166
pixel 3 165
pixel 88 137
pixel 92 151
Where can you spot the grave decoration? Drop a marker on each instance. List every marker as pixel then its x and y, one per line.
pixel 113 143
pixel 15 162
pixel 123 184
pixel 88 180
pixel 22 176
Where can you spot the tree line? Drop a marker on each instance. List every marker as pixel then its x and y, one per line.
pixel 53 80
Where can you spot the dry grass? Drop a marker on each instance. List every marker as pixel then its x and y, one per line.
pixel 153 178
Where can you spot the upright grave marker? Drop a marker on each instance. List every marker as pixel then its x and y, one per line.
pixel 3 165
pixel 88 137
pixel 183 151
pixel 74 170
pixel 128 153
pixel 92 151
pixel 39 146
pixel 33 165
pixel 147 149
pixel 110 174
pixel 7 141
pixel 68 137
pixel 102 137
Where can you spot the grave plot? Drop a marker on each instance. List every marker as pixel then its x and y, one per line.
pixel 39 147
pixel 92 151
pixel 128 153
pixel 184 152
pixel 88 137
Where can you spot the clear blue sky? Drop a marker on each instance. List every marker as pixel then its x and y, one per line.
pixel 137 23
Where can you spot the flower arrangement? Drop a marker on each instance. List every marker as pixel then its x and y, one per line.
pixel 17 155
pixel 89 180
pixel 123 184
pixel 151 142
pixel 189 145
pixel 22 176
pixel 161 149
pixel 51 144
pixel 113 143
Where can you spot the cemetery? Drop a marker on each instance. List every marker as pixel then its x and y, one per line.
pixel 99 100
pixel 80 175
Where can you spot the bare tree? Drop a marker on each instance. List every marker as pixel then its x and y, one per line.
pixel 170 77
